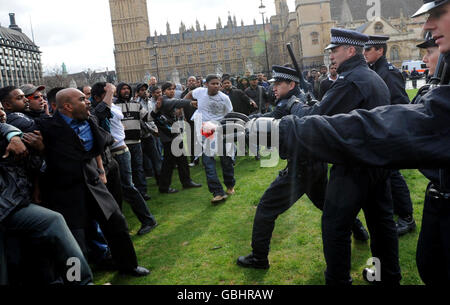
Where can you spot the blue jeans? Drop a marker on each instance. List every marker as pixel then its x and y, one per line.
pixel 42 224
pixel 130 192
pixel 137 167
pixel 214 185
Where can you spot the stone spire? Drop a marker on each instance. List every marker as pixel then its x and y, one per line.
pixel 168 31
pixel 197 26
pixel 234 21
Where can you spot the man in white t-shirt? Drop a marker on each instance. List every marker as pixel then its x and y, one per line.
pixel 213 106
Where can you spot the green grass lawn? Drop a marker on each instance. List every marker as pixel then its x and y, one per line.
pixel 198 244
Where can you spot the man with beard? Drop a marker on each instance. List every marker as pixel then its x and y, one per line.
pixel 72 141
pixel 133 113
pixel 240 101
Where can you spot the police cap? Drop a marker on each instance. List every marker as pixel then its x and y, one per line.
pixel 428 5
pixel 340 37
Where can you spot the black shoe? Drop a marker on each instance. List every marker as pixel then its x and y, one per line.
pixel 359 232
pixel 146 197
pixel 137 272
pixel 191 185
pixel 145 229
pixel 250 261
pixel 405 225
pixel 169 191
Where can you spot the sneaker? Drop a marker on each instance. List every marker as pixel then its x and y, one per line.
pixel 218 199
pixel 250 261
pixel 405 225
pixel 231 191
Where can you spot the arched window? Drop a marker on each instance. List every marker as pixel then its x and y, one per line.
pixel 379 27
pixel 315 38
pixel 395 53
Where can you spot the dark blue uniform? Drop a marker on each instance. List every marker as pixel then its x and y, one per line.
pixel 393 78
pixel 399 136
pixel 297 179
pixel 350 187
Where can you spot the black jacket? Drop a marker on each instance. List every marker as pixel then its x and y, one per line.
pixel 73 172
pixel 166 117
pixel 240 101
pixel 393 79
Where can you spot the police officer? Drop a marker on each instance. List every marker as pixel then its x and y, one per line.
pixel 375 53
pixel 292 183
pixel 399 136
pixel 351 187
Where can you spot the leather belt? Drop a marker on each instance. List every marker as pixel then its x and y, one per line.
pixel 119 151
pixel 434 192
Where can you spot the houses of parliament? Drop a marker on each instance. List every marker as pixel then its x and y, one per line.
pixel 236 48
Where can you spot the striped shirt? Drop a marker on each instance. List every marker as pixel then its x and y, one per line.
pixel 133 113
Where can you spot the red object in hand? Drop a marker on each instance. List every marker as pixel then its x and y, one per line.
pixel 208 130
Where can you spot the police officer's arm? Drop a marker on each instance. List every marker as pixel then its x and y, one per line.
pixel 342 97
pixel 399 136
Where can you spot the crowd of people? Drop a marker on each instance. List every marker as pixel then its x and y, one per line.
pixel 71 156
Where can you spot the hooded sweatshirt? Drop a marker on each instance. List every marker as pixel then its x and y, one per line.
pixel 133 113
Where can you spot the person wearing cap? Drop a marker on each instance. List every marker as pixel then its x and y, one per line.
pixel 38 106
pixel 297 179
pixel 396 136
pixel 375 53
pixel 352 188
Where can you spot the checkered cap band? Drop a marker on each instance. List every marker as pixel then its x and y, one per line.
pixel 341 40
pixel 278 75
pixel 376 42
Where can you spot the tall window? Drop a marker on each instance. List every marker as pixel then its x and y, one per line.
pixel 315 38
pixel 395 53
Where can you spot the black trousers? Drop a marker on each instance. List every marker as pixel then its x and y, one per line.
pixel 401 196
pixel 350 190
pixel 433 250
pixel 287 189
pixel 115 230
pixel 168 166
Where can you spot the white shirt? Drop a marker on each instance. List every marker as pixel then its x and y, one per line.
pixel 117 129
pixel 211 108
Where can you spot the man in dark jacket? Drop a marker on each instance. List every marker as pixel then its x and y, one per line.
pixel 258 94
pixel 19 216
pixel 375 53
pixel 165 118
pixel 351 187
pixel 72 142
pixel 189 111
pixel 240 101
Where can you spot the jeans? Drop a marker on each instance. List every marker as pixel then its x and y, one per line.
pixel 130 193
pixel 49 227
pixel 151 153
pixel 137 167
pixel 214 185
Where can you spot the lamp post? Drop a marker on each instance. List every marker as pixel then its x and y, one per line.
pixel 156 57
pixel 262 11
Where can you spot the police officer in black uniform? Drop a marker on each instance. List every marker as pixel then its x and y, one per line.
pixel 398 136
pixel 375 53
pixel 297 179
pixel 351 187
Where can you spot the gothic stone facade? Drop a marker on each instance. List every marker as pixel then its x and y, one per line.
pixel 237 48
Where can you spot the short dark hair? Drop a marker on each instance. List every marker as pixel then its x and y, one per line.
pixel 5 91
pixel 51 95
pixel 98 89
pixel 211 77
pixel 382 46
pixel 226 77
pixel 166 86
pixel 153 89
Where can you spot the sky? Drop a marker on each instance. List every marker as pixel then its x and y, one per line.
pixel 79 33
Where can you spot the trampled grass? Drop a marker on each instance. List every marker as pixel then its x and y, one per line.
pixel 198 244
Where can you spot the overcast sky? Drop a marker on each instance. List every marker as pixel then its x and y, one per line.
pixel 79 33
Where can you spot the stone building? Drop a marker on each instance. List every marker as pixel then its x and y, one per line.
pixel 236 48
pixel 20 58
